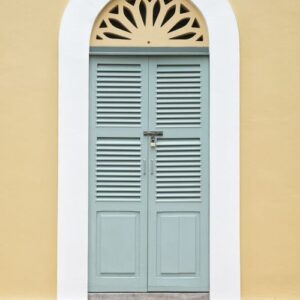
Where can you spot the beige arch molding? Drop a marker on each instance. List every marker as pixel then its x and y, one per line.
pixel 152 23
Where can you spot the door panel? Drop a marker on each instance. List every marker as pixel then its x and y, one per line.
pixel 118 185
pixel 178 170
pixel 177 100
pixel 117 242
pixel 178 187
pixel 178 251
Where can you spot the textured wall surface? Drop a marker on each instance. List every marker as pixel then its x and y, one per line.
pixel 270 147
pixel 28 150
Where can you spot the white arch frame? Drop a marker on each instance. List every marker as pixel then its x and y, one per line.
pixel 72 255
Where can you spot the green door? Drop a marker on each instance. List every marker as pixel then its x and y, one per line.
pixel 118 179
pixel 148 195
pixel 178 187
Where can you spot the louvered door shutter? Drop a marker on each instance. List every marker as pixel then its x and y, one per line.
pixel 178 189
pixel 117 185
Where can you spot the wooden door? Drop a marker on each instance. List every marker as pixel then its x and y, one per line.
pixel 149 201
pixel 118 181
pixel 178 185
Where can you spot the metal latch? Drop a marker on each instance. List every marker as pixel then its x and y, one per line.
pixel 153 135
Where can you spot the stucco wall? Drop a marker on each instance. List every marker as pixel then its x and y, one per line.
pixel 28 149
pixel 270 147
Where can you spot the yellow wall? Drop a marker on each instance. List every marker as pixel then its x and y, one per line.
pixel 270 148
pixel 28 147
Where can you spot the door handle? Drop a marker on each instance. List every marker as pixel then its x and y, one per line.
pixel 144 167
pixel 152 167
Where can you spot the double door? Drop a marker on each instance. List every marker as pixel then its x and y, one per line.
pixel 148 174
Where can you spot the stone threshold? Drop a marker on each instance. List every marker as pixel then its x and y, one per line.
pixel 148 296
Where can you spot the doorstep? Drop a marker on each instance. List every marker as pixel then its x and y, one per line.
pixel 148 296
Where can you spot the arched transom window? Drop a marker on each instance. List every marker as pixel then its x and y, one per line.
pixel 154 23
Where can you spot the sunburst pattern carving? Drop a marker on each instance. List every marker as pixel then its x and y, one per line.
pixel 156 23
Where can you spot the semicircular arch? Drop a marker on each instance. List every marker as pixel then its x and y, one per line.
pixel 154 23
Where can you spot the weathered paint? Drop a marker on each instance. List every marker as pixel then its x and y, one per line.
pixel 270 109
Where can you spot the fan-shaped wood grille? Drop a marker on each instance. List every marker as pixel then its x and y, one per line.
pixel 156 23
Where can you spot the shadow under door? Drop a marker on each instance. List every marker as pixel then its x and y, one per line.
pixel 148 174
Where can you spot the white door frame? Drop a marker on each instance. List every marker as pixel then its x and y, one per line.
pixel 72 248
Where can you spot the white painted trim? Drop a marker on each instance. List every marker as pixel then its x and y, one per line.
pixel 72 248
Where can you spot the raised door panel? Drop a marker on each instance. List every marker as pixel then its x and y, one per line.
pixel 118 240
pixel 178 187
pixel 178 252
pixel 117 181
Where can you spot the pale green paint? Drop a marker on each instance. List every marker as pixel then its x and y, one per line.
pixel 178 226
pixel 157 241
pixel 119 224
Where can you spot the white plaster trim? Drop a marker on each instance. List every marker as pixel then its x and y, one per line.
pixel 72 264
